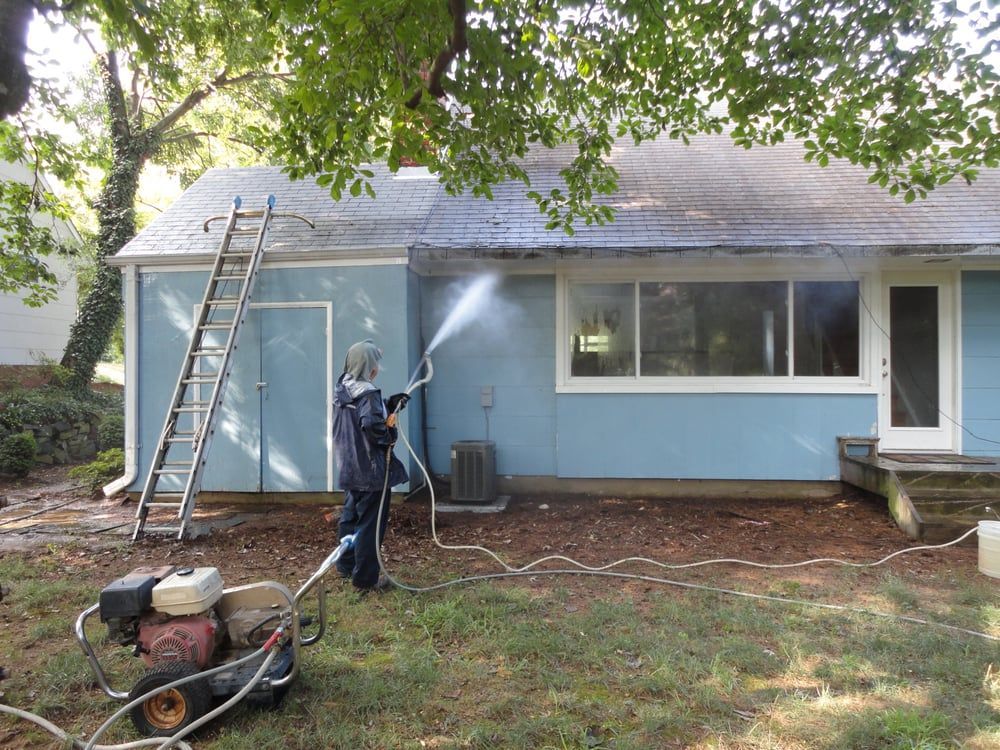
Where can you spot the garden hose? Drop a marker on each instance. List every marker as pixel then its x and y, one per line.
pixel 76 743
pixel 605 570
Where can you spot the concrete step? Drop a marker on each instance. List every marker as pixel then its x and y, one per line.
pixel 951 481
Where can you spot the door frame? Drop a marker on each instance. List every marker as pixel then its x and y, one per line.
pixel 946 438
pixel 326 305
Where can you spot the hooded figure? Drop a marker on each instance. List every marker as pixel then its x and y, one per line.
pixel 363 436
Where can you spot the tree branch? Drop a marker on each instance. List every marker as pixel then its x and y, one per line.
pixel 198 95
pixel 457 44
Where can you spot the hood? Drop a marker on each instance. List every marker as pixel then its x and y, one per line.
pixel 349 388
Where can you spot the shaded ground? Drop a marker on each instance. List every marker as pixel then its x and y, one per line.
pixel 544 662
pixel 287 542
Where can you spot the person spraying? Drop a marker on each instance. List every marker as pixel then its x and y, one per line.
pixel 364 431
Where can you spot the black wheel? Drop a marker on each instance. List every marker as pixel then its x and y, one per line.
pixel 168 712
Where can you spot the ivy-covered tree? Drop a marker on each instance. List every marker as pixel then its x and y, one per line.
pixel 200 49
pixel 904 87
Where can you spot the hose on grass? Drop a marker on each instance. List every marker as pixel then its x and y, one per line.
pixel 76 743
pixel 92 744
pixel 606 570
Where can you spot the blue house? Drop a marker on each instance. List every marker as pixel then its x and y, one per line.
pixel 744 311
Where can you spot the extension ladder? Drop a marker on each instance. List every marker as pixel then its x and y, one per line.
pixel 175 473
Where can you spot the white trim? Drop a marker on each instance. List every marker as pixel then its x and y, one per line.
pixel 947 436
pixel 326 305
pixel 865 383
pixel 131 385
pixel 178 267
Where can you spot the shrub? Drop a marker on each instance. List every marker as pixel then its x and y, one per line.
pixel 17 454
pixel 49 404
pixel 111 431
pixel 108 465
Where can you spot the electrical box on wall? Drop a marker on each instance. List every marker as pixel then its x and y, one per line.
pixel 486 396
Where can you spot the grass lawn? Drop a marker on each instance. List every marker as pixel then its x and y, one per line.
pixel 567 662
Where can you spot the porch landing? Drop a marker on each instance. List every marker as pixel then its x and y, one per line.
pixel 932 498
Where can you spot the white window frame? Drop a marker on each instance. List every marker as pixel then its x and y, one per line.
pixel 864 382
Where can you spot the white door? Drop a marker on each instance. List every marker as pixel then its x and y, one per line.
pixel 917 395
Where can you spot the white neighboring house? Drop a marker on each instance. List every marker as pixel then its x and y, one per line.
pixel 30 334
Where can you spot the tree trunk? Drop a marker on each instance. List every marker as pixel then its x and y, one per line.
pixel 98 314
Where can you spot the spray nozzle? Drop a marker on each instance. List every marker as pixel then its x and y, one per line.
pixel 425 362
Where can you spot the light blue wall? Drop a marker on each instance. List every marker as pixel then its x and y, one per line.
pixel 509 346
pixel 981 362
pixel 706 436
pixel 368 302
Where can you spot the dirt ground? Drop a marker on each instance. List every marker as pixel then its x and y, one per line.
pixel 47 514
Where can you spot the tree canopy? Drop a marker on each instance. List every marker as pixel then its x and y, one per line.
pixel 904 87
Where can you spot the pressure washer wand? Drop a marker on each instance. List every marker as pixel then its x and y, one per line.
pixel 425 361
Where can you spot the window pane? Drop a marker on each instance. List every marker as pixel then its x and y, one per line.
pixel 826 328
pixel 602 330
pixel 721 329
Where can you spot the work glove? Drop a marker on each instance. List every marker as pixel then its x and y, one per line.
pixel 397 402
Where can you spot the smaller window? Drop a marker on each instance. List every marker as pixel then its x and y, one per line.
pixel 602 330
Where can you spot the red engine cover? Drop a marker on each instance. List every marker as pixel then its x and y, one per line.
pixel 189 639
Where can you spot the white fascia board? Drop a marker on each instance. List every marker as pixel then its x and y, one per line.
pixel 348 256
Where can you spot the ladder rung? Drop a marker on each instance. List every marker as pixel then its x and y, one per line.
pixel 172 471
pixel 159 504
pixel 180 439
pixel 176 463
pixel 209 352
pixel 198 381
pixel 225 277
pixel 243 231
pixel 223 302
pixel 216 326
pixel 239 254
pixel 190 409
pixel 167 495
pixel 195 403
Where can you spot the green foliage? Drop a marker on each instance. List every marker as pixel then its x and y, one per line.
pixel 111 431
pixel 467 89
pixel 17 454
pixel 53 403
pixel 107 466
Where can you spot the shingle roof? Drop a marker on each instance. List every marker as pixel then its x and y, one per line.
pixel 709 196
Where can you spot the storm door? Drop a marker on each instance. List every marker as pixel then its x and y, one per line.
pixel 917 374
pixel 273 432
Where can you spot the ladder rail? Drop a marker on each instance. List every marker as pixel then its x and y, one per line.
pixel 163 446
pixel 204 440
pixel 188 395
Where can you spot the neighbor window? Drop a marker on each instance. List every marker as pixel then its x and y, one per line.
pixel 764 329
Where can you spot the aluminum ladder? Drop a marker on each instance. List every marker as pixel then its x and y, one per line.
pixel 175 473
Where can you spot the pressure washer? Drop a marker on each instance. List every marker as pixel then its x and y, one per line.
pixel 203 643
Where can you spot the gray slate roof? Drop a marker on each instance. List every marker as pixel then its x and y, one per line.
pixel 709 197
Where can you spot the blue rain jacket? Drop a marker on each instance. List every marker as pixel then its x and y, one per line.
pixel 361 437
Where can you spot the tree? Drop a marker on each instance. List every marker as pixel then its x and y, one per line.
pixel 468 88
pixel 199 55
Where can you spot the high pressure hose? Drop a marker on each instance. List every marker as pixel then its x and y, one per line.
pixel 605 570
pixel 76 743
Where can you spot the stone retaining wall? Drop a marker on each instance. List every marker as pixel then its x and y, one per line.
pixel 63 442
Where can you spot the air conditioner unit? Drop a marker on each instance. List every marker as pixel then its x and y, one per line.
pixel 473 471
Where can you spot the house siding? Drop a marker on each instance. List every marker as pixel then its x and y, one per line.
pixel 368 302
pixel 655 435
pixel 981 362
pixel 509 346
pixel 770 436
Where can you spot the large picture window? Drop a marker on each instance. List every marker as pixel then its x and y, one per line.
pixel 708 329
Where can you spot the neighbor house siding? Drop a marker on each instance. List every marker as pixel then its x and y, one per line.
pixel 509 345
pixel 769 436
pixel 981 362
pixel 367 302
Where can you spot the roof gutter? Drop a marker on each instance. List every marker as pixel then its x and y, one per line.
pixel 273 254
pixel 131 385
